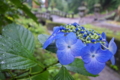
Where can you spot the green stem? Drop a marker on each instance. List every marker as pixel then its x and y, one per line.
pixel 11 74
pixel 29 75
pixel 52 64
pixel 33 74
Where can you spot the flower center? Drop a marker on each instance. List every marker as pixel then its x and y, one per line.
pixel 93 55
pixel 69 46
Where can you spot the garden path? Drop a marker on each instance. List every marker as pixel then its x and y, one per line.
pixel 88 20
pixel 107 74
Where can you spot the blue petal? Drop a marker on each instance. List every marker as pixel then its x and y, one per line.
pixel 76 48
pixel 52 37
pixel 94 47
pixel 112 46
pixel 88 50
pixel 55 29
pixel 71 38
pixel 65 57
pixel 113 60
pixel 106 43
pixel 103 35
pixel 86 58
pixel 94 67
pixel 85 54
pixel 61 43
pixel 103 55
pixel 97 46
pixel 48 41
pixel 59 35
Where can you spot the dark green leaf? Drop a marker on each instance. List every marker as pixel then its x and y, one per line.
pixel 28 12
pixel 16 48
pixel 2 76
pixel 41 76
pixel 16 2
pixel 63 75
pixel 3 7
pixel 52 47
pixel 36 69
pixel 37 2
pixel 24 8
pixel 78 67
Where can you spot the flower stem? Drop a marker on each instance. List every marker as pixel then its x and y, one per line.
pixel 33 74
pixel 52 64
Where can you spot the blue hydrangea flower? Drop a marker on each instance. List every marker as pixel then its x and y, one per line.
pixel 68 48
pixel 94 58
pixel 103 36
pixel 104 39
pixel 113 48
pixel 73 40
pixel 55 35
pixel 75 24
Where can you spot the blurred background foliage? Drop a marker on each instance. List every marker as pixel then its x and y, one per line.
pixel 72 5
pixel 11 9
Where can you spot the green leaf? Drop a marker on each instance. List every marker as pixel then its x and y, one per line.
pixel 36 69
pixel 63 75
pixel 24 8
pixel 37 2
pixel 52 48
pixel 78 67
pixel 2 76
pixel 16 2
pixel 41 76
pixel 3 7
pixel 20 34
pixel 28 12
pixel 42 38
pixel 16 48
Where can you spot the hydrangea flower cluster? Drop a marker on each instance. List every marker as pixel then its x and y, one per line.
pixel 73 41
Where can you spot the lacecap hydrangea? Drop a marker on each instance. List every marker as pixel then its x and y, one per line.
pixel 73 41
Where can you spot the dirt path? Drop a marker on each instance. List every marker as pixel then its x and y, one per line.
pixel 107 74
pixel 87 20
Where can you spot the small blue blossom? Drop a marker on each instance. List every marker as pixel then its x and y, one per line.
pixel 82 28
pixel 69 47
pixel 93 40
pixel 94 58
pixel 100 38
pixel 55 35
pixel 104 38
pixel 81 31
pixel 75 24
pixel 62 28
pixel 76 29
pixel 112 48
pixel 84 35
